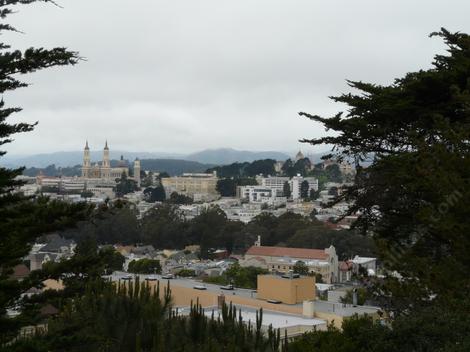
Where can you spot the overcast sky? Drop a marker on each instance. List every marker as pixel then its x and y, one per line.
pixel 181 76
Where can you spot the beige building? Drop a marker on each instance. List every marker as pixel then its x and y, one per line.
pixel 287 290
pixel 192 184
pixel 283 259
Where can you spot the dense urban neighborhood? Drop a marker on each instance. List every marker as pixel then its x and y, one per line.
pixel 361 245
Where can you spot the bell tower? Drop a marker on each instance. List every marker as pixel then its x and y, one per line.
pixel 137 171
pixel 106 166
pixel 86 162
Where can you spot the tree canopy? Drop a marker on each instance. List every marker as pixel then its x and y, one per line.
pixel 22 219
pixel 413 195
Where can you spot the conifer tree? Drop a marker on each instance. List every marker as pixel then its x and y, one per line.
pixel 413 196
pixel 22 219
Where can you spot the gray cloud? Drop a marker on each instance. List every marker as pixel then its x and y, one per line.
pixel 186 75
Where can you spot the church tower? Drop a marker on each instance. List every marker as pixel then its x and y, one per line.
pixel 106 166
pixel 137 171
pixel 86 161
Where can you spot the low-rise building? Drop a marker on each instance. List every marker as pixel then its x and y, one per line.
pixel 286 289
pixel 283 259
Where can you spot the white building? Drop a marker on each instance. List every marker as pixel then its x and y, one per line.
pixel 296 183
pixel 260 194
pixel 276 183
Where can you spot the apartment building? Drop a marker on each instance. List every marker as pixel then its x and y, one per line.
pixel 192 184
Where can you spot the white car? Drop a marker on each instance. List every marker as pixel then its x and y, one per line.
pixel 200 287
pixel 228 287
pixel 168 276
pixel 127 277
pixel 151 278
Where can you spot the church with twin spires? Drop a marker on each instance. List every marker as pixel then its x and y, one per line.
pixel 104 171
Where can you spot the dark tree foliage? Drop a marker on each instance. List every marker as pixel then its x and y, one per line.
pixel 286 190
pixel 111 223
pixel 260 167
pixel 246 169
pixel 124 185
pixel 227 187
pixel 177 198
pixel 333 173
pixel 145 266
pixel 300 268
pixel 348 243
pixel 155 194
pixel 413 197
pixel 304 186
pixel 206 229
pixel 140 317
pixel 52 170
pixel 172 166
pixel 23 219
pixel 244 277
pixel 113 260
pixel 163 227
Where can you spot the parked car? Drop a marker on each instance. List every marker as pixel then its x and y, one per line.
pixel 168 276
pixel 200 287
pixel 274 301
pixel 151 278
pixel 127 277
pixel 227 287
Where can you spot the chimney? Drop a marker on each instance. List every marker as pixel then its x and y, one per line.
pixel 308 309
pixel 220 300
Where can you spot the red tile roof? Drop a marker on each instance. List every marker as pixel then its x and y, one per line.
pixel 287 252
pixel 20 271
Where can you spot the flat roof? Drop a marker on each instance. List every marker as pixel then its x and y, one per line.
pixel 276 319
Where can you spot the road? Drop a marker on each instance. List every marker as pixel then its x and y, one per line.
pixel 189 283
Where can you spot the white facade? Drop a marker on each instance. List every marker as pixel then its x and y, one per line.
pixel 276 183
pixel 296 182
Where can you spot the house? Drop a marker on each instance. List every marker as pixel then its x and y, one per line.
pixel 51 247
pixel 20 272
pixel 345 271
pixel 283 259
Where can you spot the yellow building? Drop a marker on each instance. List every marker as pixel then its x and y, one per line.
pixel 192 184
pixel 285 289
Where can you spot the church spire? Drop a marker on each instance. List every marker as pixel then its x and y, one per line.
pixel 86 145
pixel 106 145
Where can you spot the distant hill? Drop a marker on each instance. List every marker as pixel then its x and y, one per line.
pixel 66 159
pixel 224 156
pixel 221 156
pixel 173 166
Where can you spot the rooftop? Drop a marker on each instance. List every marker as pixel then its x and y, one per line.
pixel 276 319
pixel 303 253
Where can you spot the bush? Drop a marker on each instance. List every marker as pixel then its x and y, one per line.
pixel 145 266
pixel 186 273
